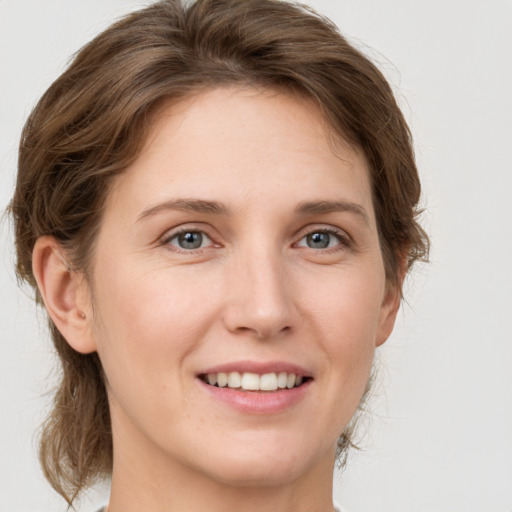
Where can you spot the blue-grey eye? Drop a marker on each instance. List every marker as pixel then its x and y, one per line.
pixel 189 240
pixel 320 240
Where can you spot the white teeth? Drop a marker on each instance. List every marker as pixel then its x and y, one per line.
pixel 282 378
pixel 268 382
pixel 222 379
pixel 234 380
pixel 250 382
pixel 290 381
pixel 253 382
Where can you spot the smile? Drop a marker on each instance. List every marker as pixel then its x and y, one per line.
pixel 249 381
pixel 257 388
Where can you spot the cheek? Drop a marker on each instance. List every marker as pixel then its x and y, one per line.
pixel 147 326
pixel 348 314
pixel 347 305
pixel 159 309
pixel 148 322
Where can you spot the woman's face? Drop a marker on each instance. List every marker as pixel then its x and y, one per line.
pixel 238 244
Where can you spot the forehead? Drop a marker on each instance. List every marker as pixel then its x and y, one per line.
pixel 245 143
pixel 250 113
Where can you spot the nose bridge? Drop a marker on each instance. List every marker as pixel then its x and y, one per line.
pixel 260 298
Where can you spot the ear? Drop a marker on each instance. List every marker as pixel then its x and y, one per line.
pixel 391 305
pixel 65 294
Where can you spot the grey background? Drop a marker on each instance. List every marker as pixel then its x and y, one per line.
pixel 440 434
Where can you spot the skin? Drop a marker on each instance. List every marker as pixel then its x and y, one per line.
pixel 159 314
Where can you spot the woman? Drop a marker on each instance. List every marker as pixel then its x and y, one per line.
pixel 216 204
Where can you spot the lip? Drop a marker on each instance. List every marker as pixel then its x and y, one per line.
pixel 258 402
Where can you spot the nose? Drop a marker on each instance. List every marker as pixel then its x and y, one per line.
pixel 259 298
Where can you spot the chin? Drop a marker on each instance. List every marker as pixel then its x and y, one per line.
pixel 260 464
pixel 268 473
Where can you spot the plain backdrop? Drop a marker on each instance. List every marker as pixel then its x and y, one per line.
pixel 439 436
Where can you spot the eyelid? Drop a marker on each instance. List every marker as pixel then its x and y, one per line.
pixel 172 233
pixel 345 240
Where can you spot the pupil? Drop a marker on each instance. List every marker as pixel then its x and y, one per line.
pixel 318 240
pixel 190 240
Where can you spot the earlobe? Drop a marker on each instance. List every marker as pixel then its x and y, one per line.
pixel 389 311
pixel 391 305
pixel 65 294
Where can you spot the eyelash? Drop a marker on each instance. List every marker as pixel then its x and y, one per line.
pixel 343 239
pixel 168 239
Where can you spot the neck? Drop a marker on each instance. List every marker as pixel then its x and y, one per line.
pixel 145 479
pixel 197 496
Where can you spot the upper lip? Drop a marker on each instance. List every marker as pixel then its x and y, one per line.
pixel 258 367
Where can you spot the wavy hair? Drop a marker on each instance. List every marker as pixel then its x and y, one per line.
pixel 93 120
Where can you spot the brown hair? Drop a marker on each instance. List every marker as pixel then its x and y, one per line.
pixel 93 120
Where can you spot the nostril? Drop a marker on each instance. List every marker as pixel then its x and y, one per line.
pixel 263 311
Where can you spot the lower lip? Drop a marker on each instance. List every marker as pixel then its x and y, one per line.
pixel 258 402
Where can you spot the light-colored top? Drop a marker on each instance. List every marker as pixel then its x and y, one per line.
pixel 336 509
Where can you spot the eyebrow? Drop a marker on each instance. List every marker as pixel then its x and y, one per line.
pixel 186 205
pixel 325 207
pixel 217 208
